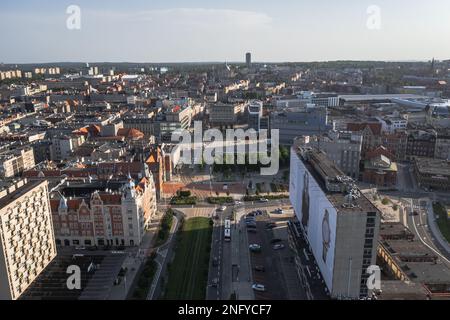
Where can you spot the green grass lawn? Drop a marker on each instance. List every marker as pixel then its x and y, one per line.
pixel 442 221
pixel 188 274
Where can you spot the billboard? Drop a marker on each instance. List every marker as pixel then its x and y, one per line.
pixel 316 214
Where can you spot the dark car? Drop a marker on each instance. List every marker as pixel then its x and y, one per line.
pixel 252 230
pixel 251 226
pixel 270 225
pixel 215 262
pixel 275 240
pixel 260 268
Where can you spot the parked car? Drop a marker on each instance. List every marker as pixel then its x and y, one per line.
pixel 259 287
pixel 275 240
pixel 278 247
pixel 80 248
pixel 263 200
pixel 260 268
pixel 279 211
pixel 215 262
pixel 258 212
pixel 215 282
pixel 251 229
pixel 251 214
pixel 255 248
pixel 270 225
pixel 222 208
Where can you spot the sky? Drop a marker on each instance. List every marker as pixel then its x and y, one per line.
pixel 35 31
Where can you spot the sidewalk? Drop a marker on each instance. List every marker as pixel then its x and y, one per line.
pixel 161 254
pixel 133 263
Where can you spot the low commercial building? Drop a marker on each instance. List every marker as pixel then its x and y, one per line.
pixel 27 241
pixel 433 174
pixel 412 271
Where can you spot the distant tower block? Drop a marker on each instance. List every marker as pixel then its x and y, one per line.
pixel 248 59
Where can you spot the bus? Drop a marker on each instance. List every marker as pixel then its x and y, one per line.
pixel 227 224
pixel 227 235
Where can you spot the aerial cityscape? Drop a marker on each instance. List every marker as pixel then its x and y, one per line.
pixel 257 175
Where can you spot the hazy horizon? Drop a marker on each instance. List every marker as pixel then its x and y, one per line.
pixel 202 31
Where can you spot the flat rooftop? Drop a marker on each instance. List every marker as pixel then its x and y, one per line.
pixel 19 192
pixel 421 265
pixel 433 166
pixel 376 97
pixel 339 188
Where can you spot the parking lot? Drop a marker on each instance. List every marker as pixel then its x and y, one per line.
pixel 273 268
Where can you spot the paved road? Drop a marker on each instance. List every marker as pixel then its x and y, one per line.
pixel 215 271
pixel 419 226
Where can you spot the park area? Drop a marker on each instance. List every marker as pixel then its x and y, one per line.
pixel 188 272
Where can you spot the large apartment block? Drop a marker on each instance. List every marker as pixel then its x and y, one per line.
pixel 339 223
pixel 27 241
pixel 14 162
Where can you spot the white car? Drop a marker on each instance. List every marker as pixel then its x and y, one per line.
pixel 255 247
pixel 259 287
pixel 263 200
pixel 222 208
pixel 278 247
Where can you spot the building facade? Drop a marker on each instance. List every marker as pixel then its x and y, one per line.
pixel 13 163
pixel 343 148
pixel 433 174
pixel 420 144
pixel 27 241
pixel 295 122
pixel 114 215
pixel 340 224
pixel 224 114
pixel 255 112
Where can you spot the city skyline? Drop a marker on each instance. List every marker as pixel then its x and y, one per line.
pixel 202 32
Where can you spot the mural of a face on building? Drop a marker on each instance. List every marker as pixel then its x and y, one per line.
pixel 326 235
pixel 305 202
